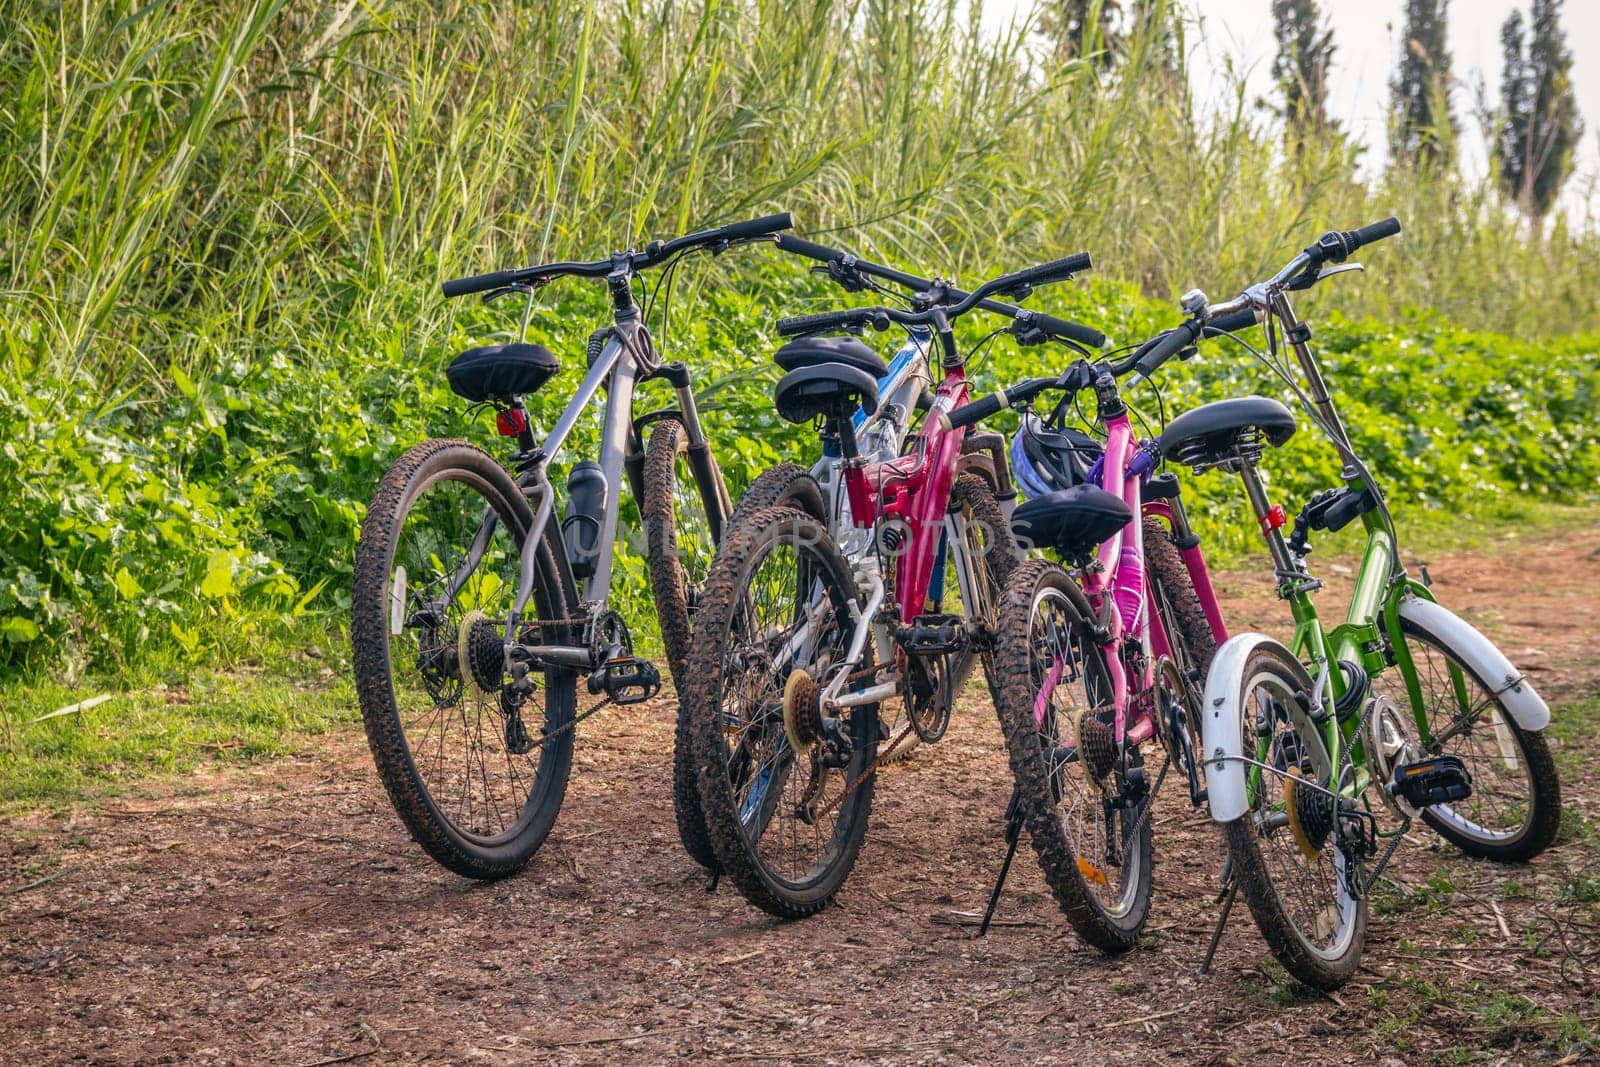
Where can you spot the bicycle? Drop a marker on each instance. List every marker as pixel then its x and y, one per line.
pixel 467 610
pixel 815 615
pixel 1298 738
pixel 1096 661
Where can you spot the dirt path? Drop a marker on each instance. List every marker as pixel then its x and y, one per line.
pixel 279 914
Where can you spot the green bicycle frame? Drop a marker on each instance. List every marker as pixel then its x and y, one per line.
pixel 1370 636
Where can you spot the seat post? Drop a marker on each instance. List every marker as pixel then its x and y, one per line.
pixel 1268 518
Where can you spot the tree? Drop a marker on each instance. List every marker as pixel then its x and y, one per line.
pixel 1540 126
pixel 1305 54
pixel 1083 27
pixel 1424 127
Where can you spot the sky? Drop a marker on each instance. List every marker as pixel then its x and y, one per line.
pixel 1366 35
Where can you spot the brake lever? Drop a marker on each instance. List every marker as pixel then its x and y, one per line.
pixel 1306 279
pixel 1338 268
pixel 525 288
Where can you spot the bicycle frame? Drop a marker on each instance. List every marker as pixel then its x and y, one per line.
pixel 1124 454
pixel 626 358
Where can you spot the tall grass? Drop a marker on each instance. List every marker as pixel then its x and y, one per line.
pixel 219 312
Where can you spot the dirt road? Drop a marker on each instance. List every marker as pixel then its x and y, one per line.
pixel 278 913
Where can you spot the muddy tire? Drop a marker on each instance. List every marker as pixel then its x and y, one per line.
pixel 429 716
pixel 785 485
pixel 751 643
pixel 1043 608
pixel 1293 896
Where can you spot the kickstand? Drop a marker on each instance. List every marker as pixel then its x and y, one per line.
pixel 1013 834
pixel 1230 889
pixel 716 876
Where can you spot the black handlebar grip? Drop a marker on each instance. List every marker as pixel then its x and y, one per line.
pixel 1376 231
pixel 1167 346
pixel 825 320
pixel 1087 336
pixel 480 283
pixel 1239 320
pixel 1044 273
pixel 977 411
pixel 743 231
pixel 799 246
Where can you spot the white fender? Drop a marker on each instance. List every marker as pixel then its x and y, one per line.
pixel 1220 721
pixel 1482 658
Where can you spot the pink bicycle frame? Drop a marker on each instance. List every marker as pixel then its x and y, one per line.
pixel 915 489
pixel 1123 475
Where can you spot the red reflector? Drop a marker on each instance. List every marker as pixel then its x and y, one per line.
pixel 1274 519
pixel 512 421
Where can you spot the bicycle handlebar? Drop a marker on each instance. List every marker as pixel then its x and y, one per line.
pixel 957 303
pixel 652 255
pixel 1047 325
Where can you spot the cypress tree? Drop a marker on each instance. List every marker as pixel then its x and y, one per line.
pixel 1423 127
pixel 1540 126
pixel 1305 54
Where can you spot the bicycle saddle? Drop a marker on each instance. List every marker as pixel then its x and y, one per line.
pixel 827 389
pixel 814 351
pixel 1072 521
pixel 1210 432
pixel 496 371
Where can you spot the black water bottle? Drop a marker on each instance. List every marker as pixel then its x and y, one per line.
pixel 586 507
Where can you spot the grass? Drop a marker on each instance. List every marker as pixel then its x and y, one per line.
pixel 169 719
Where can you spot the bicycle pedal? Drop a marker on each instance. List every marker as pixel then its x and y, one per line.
pixel 626 680
pixel 933 635
pixel 1439 780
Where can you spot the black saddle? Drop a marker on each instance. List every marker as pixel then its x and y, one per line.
pixel 1209 433
pixel 1072 521
pixel 496 371
pixel 815 351
pixel 827 389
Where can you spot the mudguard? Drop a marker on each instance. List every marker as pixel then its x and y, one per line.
pixel 1482 658
pixel 1220 720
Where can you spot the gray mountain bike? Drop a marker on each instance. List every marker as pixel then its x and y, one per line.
pixel 474 612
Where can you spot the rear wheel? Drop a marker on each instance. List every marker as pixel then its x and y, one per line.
pixel 1055 707
pixel 456 745
pixel 1193 645
pixel 785 825
pixel 1285 847
pixel 1514 811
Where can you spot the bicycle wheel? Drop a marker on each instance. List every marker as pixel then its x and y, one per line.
pixel 1284 847
pixel 457 748
pixel 789 485
pixel 1514 811
pixel 678 539
pixel 785 825
pixel 1055 708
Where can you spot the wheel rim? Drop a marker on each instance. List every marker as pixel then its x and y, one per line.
pixel 1069 686
pixel 792 809
pixel 1311 890
pixel 1501 805
pixel 460 737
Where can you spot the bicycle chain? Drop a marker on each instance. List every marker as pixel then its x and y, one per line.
pixel 567 728
pixel 872 768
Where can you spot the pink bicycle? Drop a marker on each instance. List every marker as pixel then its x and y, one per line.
pixel 882 589
pixel 1095 662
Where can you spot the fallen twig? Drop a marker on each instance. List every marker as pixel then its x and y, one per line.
pixel 377 1047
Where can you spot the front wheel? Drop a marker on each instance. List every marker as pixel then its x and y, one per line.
pixel 1295 867
pixel 475 766
pixel 785 823
pixel 1056 709
pixel 1514 810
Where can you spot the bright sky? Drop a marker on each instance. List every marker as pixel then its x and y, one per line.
pixel 1366 34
